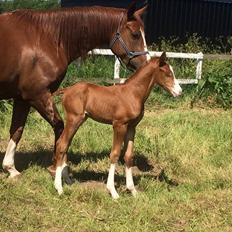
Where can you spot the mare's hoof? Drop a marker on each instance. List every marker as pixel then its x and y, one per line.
pixel 52 170
pixel 14 176
pixel 13 173
pixel 65 176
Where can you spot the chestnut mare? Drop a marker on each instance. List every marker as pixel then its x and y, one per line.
pixel 36 48
pixel 121 105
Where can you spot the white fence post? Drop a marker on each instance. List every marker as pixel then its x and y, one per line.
pixel 199 66
pixel 116 69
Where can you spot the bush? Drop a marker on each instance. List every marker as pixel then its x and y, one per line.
pixel 218 77
pixel 27 4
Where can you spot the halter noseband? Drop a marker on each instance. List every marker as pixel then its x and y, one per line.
pixel 130 54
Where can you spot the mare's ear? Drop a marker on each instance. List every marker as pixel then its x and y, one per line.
pixel 133 14
pixel 131 10
pixel 141 11
pixel 138 15
pixel 162 59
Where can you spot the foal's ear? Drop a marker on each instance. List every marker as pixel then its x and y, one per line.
pixel 162 59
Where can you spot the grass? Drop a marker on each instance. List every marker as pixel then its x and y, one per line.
pixel 183 173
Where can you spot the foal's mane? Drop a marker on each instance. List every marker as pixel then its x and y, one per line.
pixel 144 71
pixel 75 28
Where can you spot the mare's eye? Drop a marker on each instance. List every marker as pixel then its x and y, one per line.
pixel 136 34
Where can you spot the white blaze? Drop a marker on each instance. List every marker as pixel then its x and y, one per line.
pixel 176 89
pixel 145 44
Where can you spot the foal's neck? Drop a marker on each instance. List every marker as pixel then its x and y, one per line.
pixel 142 82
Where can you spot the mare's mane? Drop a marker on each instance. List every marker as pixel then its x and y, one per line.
pixel 74 28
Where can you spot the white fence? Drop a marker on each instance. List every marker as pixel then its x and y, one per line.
pixel 197 56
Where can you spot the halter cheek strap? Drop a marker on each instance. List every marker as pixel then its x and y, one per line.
pixel 130 54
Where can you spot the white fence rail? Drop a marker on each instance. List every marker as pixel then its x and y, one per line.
pixel 197 56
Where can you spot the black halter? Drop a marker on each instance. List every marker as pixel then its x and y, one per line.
pixel 130 54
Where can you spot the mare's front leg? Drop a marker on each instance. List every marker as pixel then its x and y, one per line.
pixel 129 154
pixel 73 122
pixel 118 138
pixel 19 117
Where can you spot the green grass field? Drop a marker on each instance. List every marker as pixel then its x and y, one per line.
pixel 183 171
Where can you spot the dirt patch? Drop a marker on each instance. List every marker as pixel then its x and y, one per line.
pixel 100 186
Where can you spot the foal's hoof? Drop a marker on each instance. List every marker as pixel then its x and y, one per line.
pixel 65 176
pixel 52 170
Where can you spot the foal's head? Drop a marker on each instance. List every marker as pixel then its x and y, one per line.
pixel 128 42
pixel 165 76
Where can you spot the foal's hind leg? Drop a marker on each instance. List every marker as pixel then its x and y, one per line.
pixel 129 144
pixel 119 134
pixel 73 122
pixel 19 117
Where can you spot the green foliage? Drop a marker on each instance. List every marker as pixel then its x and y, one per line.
pixel 27 4
pixel 5 105
pixel 219 81
pixel 194 43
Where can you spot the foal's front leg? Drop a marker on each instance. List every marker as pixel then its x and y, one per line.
pixel 129 154
pixel 119 134
pixel 72 124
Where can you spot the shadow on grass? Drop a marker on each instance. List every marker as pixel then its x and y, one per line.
pixel 143 166
pixel 23 160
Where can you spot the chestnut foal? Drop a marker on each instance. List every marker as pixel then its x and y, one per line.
pixel 121 105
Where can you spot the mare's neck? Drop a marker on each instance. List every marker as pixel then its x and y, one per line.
pixel 73 31
pixel 90 28
pixel 142 82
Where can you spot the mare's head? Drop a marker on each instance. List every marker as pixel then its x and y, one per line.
pixel 128 41
pixel 164 75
